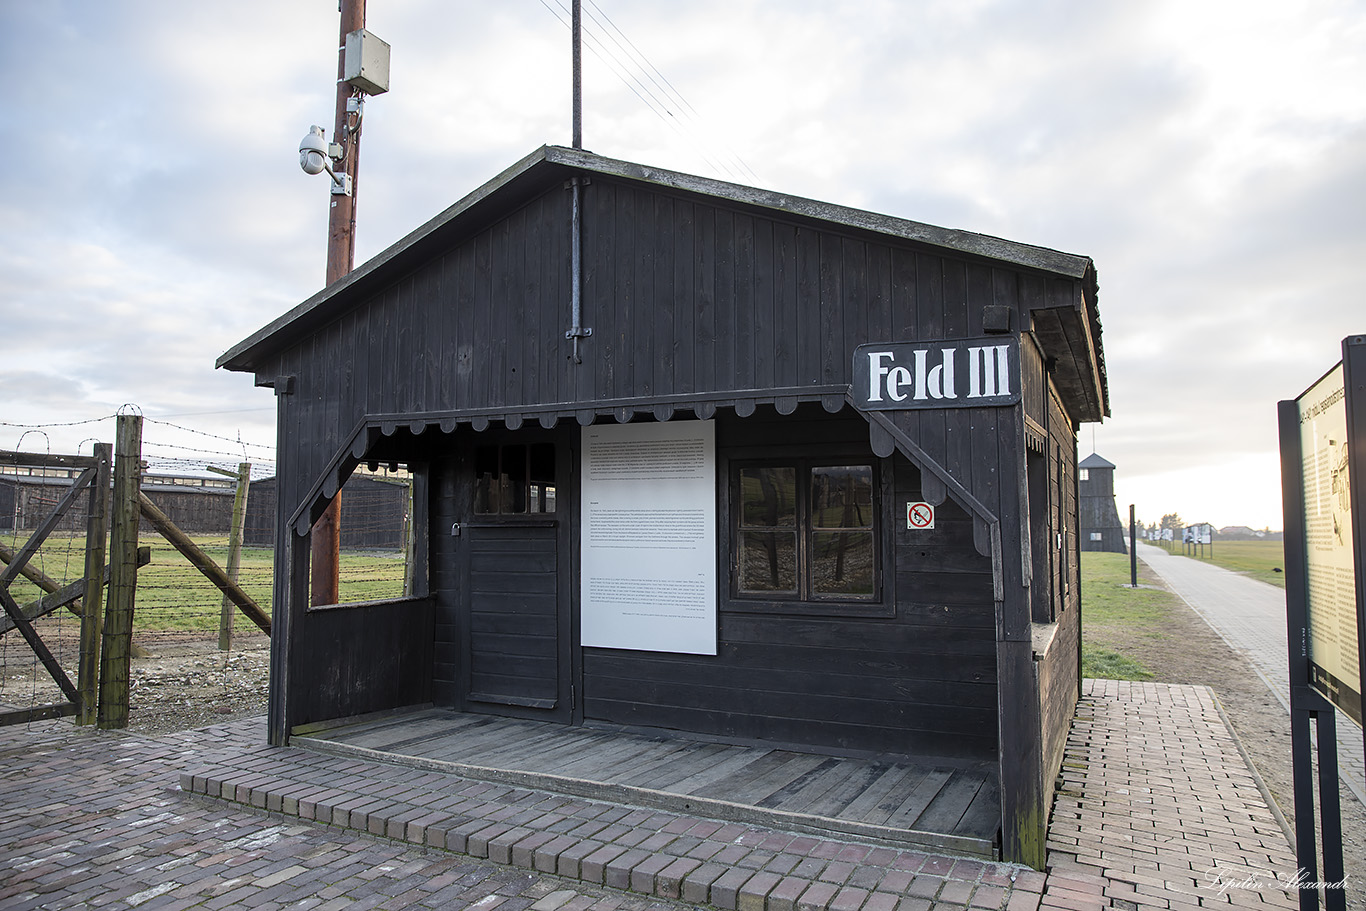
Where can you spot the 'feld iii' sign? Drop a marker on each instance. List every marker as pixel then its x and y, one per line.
pixel 951 373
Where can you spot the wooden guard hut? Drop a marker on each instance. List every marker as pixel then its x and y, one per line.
pixel 699 457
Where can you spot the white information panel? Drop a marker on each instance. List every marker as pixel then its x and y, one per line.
pixel 649 537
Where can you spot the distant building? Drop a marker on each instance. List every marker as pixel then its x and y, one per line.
pixel 197 505
pixel 1244 533
pixel 1101 528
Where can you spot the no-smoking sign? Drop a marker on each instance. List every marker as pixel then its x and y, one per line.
pixel 919 515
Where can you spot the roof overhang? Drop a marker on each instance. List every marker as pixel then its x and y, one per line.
pixel 1076 333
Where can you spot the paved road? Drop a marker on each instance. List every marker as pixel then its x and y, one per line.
pixel 1250 616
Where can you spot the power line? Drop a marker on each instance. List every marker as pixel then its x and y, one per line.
pixel 689 112
pixel 649 97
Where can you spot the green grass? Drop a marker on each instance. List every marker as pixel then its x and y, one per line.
pixel 173 596
pixel 1251 558
pixel 1115 616
pixel 1107 598
pixel 1107 665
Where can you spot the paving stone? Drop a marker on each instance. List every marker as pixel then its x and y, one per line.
pixel 754 893
pixel 817 897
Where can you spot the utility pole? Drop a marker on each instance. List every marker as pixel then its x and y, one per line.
pixel 576 41
pixel 341 255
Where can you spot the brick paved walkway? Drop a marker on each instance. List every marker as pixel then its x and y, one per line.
pixel 94 819
pixel 1157 808
pixel 1154 795
pixel 1250 616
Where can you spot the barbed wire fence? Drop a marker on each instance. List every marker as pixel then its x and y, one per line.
pixel 191 654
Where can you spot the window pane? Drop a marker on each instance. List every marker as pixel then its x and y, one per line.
pixel 842 496
pixel 485 480
pixel 842 563
pixel 542 490
pixel 514 479
pixel 768 497
pixel 768 561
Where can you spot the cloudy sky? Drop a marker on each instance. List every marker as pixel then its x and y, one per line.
pixel 1209 156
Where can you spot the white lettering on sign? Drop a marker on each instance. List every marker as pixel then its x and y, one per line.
pixel 937 382
pixel 949 373
pixel 988 371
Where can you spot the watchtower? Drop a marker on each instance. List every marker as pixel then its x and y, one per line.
pixel 1101 528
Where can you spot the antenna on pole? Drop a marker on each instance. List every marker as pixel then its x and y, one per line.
pixel 575 29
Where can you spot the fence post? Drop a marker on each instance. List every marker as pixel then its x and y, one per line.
pixel 239 519
pixel 92 603
pixel 408 539
pixel 123 573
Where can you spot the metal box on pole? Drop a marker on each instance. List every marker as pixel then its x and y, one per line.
pixel 367 62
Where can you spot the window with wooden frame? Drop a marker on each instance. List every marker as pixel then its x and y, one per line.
pixel 514 479
pixel 804 531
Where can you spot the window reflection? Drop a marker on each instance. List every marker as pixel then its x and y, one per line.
pixel 805 531
pixel 514 479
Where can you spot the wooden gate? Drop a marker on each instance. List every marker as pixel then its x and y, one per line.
pixel 83 597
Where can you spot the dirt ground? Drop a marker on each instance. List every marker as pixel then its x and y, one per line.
pixel 188 684
pixel 1194 653
pixel 177 682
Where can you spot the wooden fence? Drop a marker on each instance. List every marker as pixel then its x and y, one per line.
pixel 116 507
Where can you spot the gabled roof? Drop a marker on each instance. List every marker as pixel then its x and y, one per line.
pixel 550 166
pixel 1095 461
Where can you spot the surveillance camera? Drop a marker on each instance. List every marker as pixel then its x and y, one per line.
pixel 313 151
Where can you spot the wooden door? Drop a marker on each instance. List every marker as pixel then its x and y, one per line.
pixel 516 603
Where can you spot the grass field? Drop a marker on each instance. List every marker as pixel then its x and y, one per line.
pixel 1258 559
pixel 173 596
pixel 1114 614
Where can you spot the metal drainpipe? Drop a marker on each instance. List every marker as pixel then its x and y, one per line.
pixel 576 331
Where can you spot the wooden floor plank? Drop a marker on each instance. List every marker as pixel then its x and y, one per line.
pixel 734 785
pixel 983 816
pixel 471 746
pixel 488 734
pixel 532 751
pixel 792 766
pixel 645 770
pixel 788 792
pixel 947 809
pixel 379 735
pixel 676 775
pixel 701 779
pixel 919 798
pixel 853 779
pixel 399 739
pixel 897 776
pixel 885 790
pixel 607 755
pixel 511 742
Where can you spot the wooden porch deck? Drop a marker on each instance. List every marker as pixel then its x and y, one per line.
pixel 892 798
